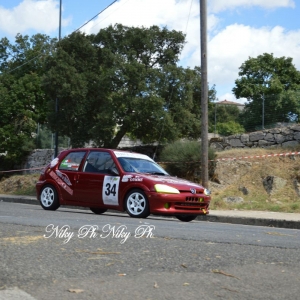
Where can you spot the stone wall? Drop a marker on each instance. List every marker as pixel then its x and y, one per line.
pixel 38 159
pixel 275 137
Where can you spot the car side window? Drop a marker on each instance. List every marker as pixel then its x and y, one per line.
pixel 72 161
pixel 98 162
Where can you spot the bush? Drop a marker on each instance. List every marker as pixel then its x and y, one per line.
pixel 183 159
pixel 229 128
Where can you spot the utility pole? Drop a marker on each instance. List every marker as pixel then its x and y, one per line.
pixel 204 94
pixel 56 100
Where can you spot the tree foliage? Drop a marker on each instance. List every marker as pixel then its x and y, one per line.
pixel 220 113
pixel 123 80
pixel 22 101
pixel 267 80
pixel 229 128
pixel 182 159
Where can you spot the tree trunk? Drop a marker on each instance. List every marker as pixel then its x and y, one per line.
pixel 118 137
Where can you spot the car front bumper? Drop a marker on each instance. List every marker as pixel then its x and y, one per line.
pixel 178 204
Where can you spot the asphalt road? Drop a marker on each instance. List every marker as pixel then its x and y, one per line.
pixel 74 254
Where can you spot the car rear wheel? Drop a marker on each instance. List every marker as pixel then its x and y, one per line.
pixel 48 198
pixel 186 218
pixel 98 211
pixel 137 205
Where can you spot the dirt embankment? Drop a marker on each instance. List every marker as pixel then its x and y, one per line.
pixel 19 184
pixel 258 179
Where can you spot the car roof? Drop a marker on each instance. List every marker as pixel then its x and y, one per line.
pixel 117 152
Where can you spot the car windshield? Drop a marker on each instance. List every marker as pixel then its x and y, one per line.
pixel 138 165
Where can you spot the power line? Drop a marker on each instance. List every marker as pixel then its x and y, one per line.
pixel 10 71
pixel 110 13
pixel 95 16
pixel 187 23
pixel 22 64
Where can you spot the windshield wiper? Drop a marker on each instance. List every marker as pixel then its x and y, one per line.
pixel 157 173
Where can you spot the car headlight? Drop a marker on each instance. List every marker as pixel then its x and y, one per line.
pixel 207 192
pixel 162 188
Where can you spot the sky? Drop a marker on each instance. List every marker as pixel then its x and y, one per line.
pixel 237 29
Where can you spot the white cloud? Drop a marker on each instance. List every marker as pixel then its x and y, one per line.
pixel 40 16
pixel 216 6
pixel 174 14
pixel 232 46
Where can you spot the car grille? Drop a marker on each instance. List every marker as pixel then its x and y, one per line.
pixel 190 205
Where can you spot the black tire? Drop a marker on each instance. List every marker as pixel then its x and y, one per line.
pixel 137 204
pixel 186 218
pixel 49 198
pixel 98 211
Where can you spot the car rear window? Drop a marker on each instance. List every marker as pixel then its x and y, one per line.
pixel 72 161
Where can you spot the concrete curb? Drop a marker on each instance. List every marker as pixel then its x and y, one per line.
pixel 256 218
pixel 279 223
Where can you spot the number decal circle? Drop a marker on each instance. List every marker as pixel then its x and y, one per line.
pixel 110 190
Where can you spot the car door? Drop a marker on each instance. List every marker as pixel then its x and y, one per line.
pixel 67 175
pixel 96 185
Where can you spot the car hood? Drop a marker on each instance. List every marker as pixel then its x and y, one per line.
pixel 179 183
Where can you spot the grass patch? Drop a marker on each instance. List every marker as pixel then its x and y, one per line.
pixel 19 185
pixel 29 191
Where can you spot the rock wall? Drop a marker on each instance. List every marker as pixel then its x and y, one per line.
pixel 38 159
pixel 275 137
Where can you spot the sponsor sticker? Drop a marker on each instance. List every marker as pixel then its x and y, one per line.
pixel 61 183
pixel 64 177
pixel 127 178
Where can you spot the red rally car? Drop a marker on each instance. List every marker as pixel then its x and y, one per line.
pixel 103 179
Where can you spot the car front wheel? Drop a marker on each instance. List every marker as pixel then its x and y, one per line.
pixel 186 218
pixel 48 198
pixel 137 205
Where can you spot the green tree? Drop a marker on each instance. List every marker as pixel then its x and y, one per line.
pixel 219 113
pixel 136 59
pixel 22 102
pixel 74 75
pixel 267 80
pixel 123 80
pixel 45 138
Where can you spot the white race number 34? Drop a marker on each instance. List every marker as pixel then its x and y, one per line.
pixel 110 191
